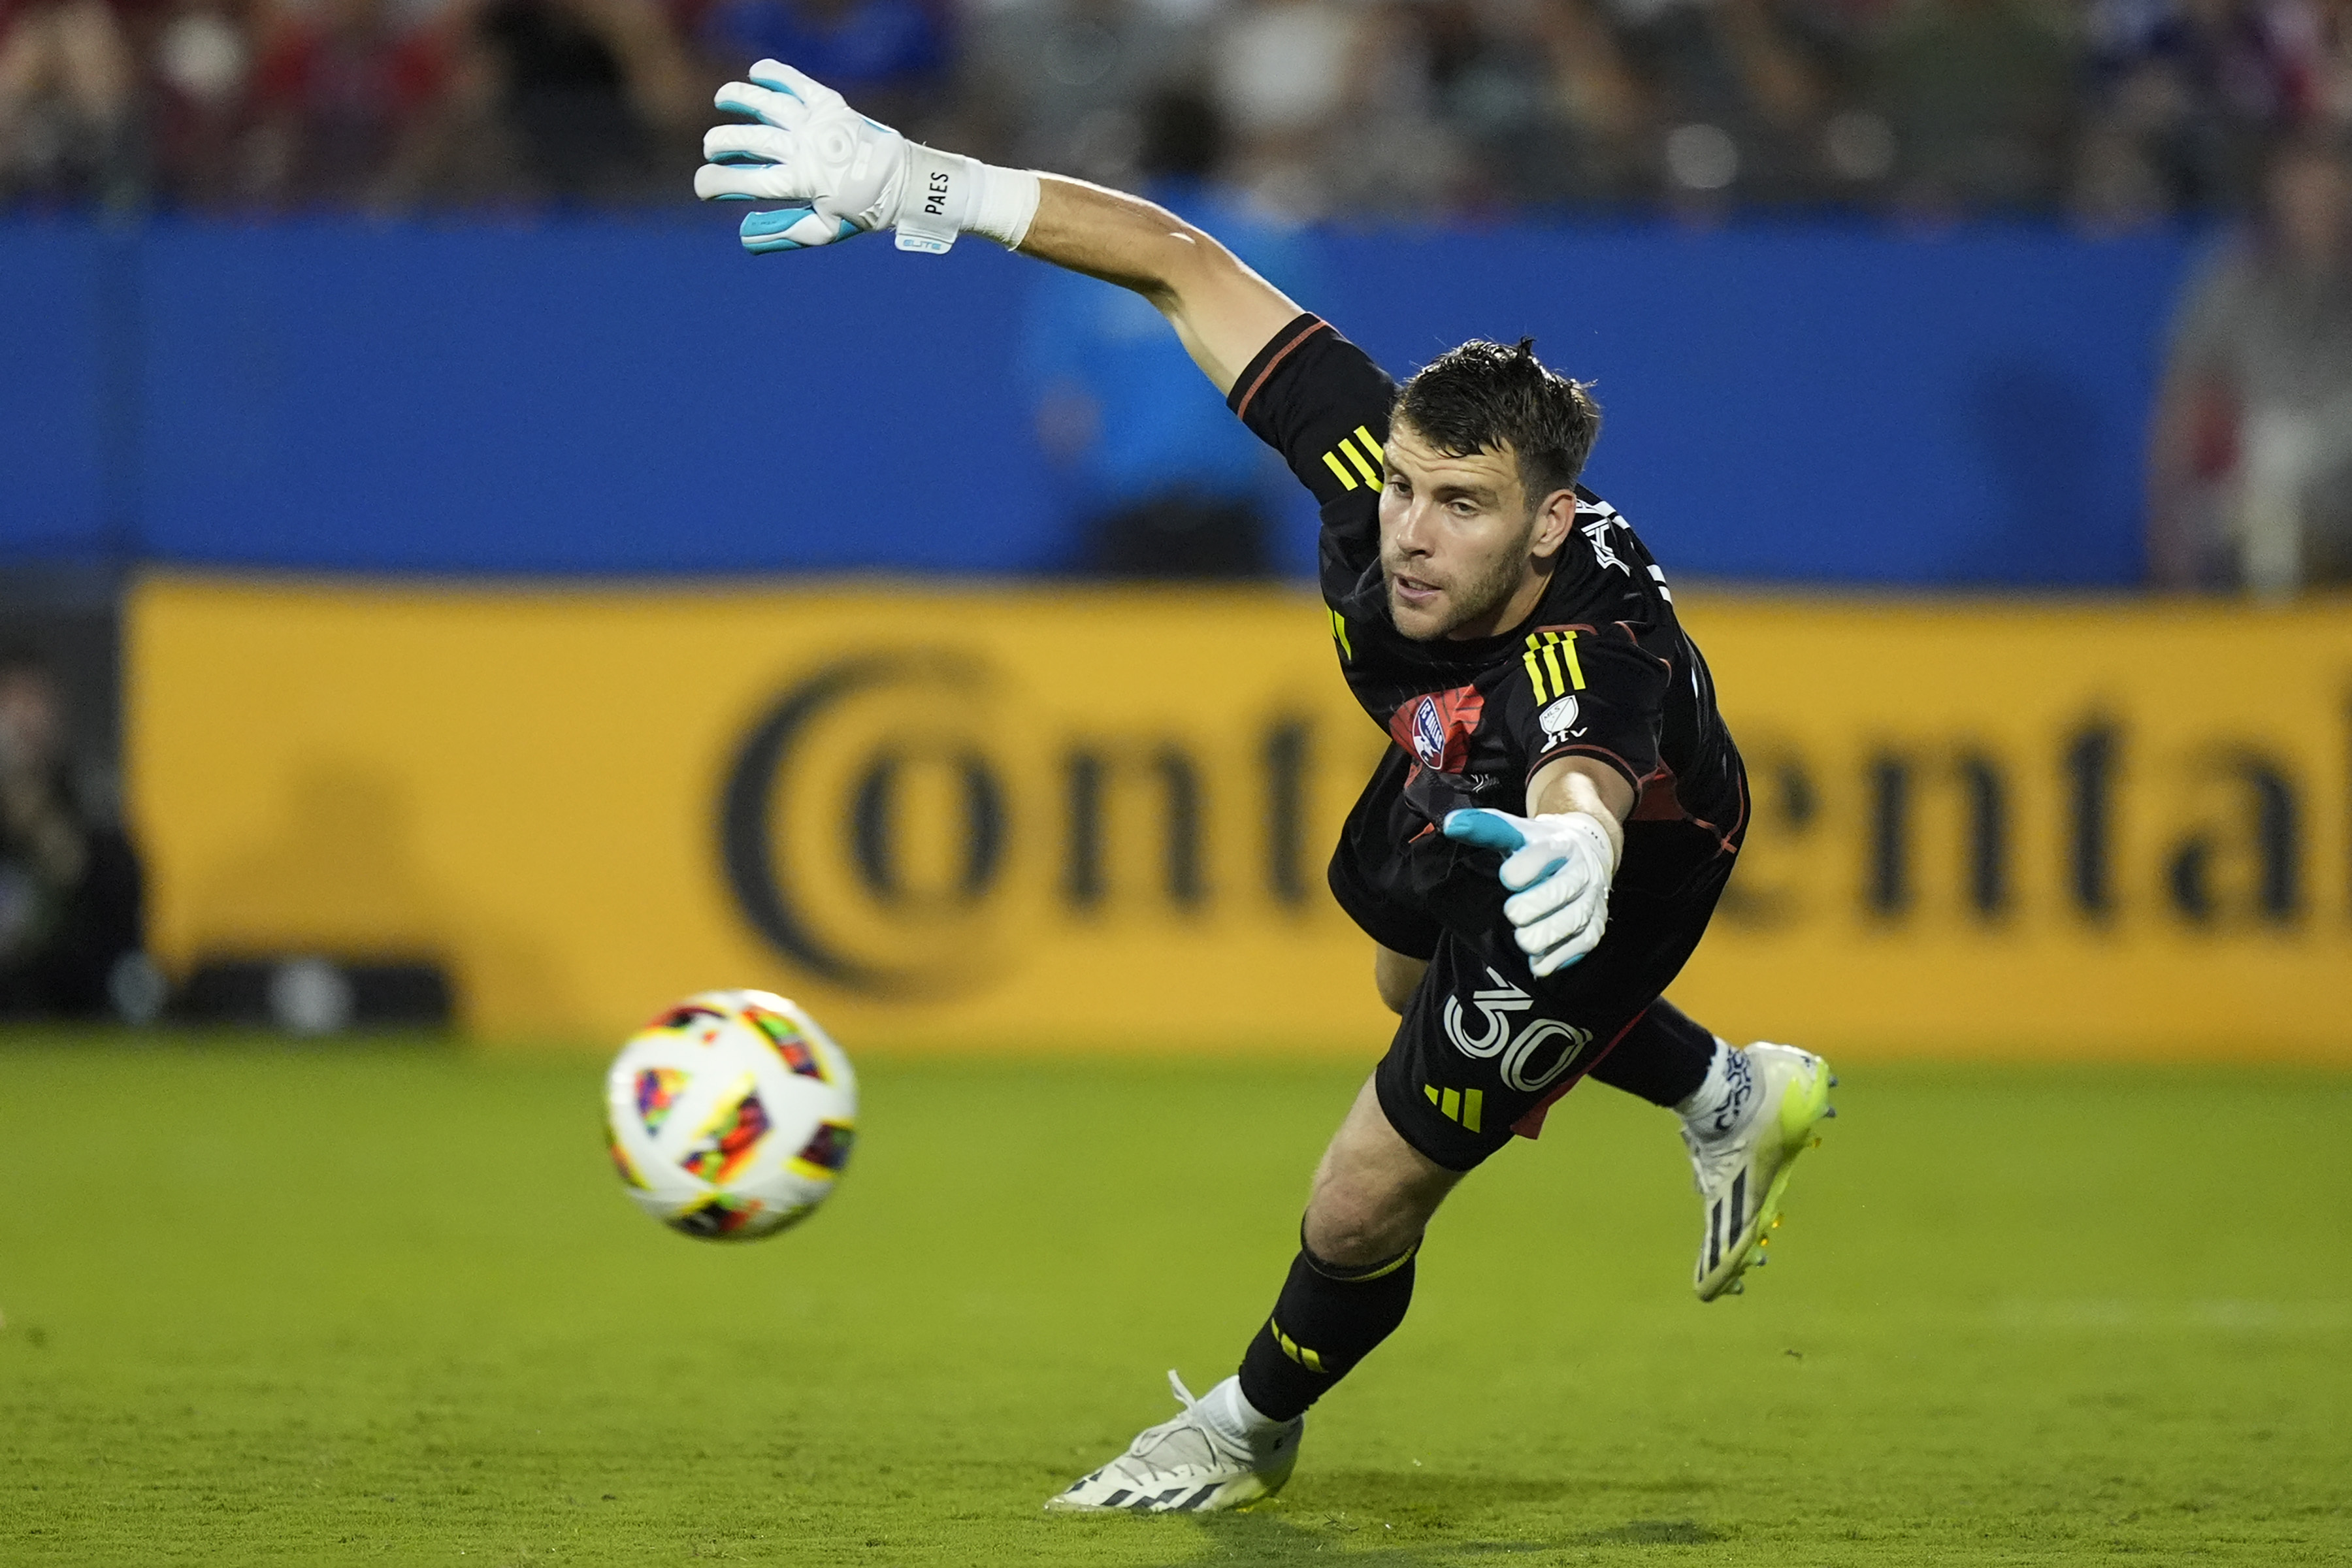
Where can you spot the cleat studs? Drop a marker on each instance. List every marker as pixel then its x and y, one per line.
pixel 1817 1143
pixel 1829 1113
pixel 1833 1081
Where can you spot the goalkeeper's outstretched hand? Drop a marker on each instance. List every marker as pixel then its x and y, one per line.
pixel 840 175
pixel 1556 869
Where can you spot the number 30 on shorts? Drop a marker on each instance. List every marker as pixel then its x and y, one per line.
pixel 1500 1035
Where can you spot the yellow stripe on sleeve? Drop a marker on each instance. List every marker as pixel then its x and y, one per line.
pixel 1575 670
pixel 1370 446
pixel 1370 477
pixel 1552 662
pixel 1331 461
pixel 1535 673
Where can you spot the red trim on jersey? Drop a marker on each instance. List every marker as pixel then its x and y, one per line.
pixel 1242 408
pixel 1723 839
pixel 1737 823
pixel 1531 1124
pixel 1658 801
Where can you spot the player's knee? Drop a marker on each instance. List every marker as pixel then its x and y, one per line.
pixel 1353 1225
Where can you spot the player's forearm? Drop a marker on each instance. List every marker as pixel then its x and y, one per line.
pixel 841 175
pixel 1224 312
pixel 1585 784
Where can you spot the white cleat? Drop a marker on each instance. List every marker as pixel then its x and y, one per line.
pixel 1185 1466
pixel 1742 1175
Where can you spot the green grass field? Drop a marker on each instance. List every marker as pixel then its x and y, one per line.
pixel 344 1303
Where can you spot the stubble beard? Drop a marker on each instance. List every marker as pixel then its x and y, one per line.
pixel 1475 601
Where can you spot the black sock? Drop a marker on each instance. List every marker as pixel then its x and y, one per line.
pixel 1326 1320
pixel 1664 1057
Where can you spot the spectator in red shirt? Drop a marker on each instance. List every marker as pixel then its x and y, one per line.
pixel 338 89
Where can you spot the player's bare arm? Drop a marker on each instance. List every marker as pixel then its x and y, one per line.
pixel 1583 785
pixel 1224 312
pixel 840 175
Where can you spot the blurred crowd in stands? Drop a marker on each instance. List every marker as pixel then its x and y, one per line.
pixel 71 884
pixel 2119 113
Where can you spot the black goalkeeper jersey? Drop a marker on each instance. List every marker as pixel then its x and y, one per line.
pixel 1601 669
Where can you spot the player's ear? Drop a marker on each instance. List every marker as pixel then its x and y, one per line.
pixel 1555 519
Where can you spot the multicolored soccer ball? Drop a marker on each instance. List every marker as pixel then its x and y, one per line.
pixel 732 1115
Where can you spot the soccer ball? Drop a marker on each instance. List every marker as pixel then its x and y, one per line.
pixel 732 1115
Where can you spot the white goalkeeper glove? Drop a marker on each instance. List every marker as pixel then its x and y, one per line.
pixel 841 175
pixel 1556 869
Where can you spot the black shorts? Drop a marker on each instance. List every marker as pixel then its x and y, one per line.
pixel 1484 1046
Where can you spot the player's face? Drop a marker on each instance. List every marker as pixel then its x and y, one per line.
pixel 1455 537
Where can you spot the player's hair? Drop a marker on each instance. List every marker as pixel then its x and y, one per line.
pixel 1483 395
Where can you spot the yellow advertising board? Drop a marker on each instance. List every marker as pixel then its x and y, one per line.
pixel 1097 818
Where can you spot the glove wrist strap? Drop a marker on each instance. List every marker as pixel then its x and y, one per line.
pixel 1585 822
pixel 938 196
pixel 948 194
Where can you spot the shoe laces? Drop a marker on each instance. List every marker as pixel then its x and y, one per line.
pixel 1166 1447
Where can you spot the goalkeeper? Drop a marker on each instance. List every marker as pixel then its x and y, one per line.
pixel 1540 849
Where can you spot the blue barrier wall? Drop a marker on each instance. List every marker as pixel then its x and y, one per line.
pixel 59 362
pixel 1792 404
pixel 591 398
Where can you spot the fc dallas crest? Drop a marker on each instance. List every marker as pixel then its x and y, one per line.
pixel 1436 727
